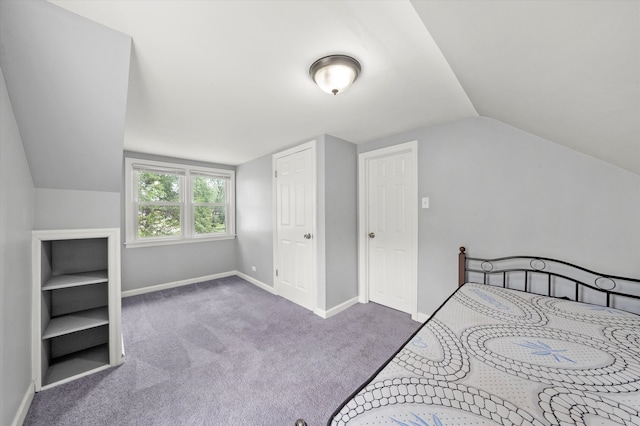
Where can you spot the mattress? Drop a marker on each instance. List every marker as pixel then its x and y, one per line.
pixel 498 356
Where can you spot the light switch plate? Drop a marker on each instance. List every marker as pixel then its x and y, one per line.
pixel 425 202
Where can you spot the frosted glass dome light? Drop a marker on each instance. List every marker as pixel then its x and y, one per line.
pixel 334 74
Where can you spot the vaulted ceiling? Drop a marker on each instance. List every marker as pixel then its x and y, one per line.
pixel 227 81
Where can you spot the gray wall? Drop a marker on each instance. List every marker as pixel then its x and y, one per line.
pixel 67 77
pixel 499 191
pixel 320 237
pixel 336 221
pixel 149 266
pixel 16 222
pixel 336 236
pixel 340 221
pixel 254 219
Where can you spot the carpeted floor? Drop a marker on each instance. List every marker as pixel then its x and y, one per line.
pixel 226 352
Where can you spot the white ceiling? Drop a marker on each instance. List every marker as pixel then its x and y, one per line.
pixel 227 81
pixel 568 71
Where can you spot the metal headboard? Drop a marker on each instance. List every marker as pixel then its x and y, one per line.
pixel 551 277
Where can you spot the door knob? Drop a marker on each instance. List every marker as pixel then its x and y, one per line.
pixel 372 235
pixel 307 236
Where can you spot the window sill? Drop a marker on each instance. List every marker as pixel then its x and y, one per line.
pixel 167 242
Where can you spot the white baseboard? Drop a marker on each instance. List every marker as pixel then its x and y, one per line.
pixel 322 313
pixel 420 317
pixel 173 284
pixel 256 282
pixel 21 414
pixel 150 289
pixel 336 309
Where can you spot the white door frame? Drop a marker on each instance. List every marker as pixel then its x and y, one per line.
pixel 314 241
pixel 363 225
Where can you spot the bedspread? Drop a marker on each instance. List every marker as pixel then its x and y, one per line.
pixel 497 356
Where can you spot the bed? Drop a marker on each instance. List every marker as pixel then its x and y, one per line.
pixel 523 341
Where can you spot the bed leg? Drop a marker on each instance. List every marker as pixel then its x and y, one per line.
pixel 462 266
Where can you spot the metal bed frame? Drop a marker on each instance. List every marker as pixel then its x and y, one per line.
pixel 557 277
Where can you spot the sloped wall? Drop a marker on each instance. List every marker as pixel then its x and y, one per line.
pixel 16 222
pixel 498 191
pixel 63 103
pixel 67 78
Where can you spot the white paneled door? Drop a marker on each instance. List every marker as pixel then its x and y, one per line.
pixel 391 229
pixel 295 203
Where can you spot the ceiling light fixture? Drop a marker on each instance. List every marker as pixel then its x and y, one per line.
pixel 335 73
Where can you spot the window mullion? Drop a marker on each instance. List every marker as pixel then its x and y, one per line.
pixel 159 203
pixel 210 204
pixel 133 232
pixel 185 210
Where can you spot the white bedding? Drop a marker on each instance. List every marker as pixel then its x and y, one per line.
pixel 497 356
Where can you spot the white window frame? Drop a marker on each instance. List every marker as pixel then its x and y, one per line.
pixel 187 226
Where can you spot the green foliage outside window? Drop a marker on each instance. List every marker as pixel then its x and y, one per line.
pixel 158 220
pixel 159 208
pixel 206 191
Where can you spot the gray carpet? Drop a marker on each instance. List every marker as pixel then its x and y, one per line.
pixel 226 352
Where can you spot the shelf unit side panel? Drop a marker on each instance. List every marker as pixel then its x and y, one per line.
pixel 38 361
pixel 44 361
pixel 45 310
pixel 116 356
pixel 46 260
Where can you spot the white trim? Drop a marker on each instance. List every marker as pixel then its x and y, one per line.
pixel 73 234
pixel 420 317
pixel 162 242
pixel 256 282
pixel 173 284
pixel 363 252
pixel 363 258
pixel 186 172
pixel 114 296
pixel 274 210
pixel 336 309
pixel 122 354
pixel 36 296
pixel 321 313
pixel 23 408
pixel 77 376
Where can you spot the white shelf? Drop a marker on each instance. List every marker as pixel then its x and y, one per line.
pixel 76 306
pixel 76 321
pixel 73 280
pixel 77 363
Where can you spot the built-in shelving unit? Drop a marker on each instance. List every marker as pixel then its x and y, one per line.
pixel 76 304
pixel 72 280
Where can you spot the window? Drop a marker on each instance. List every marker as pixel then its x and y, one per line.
pixel 170 203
